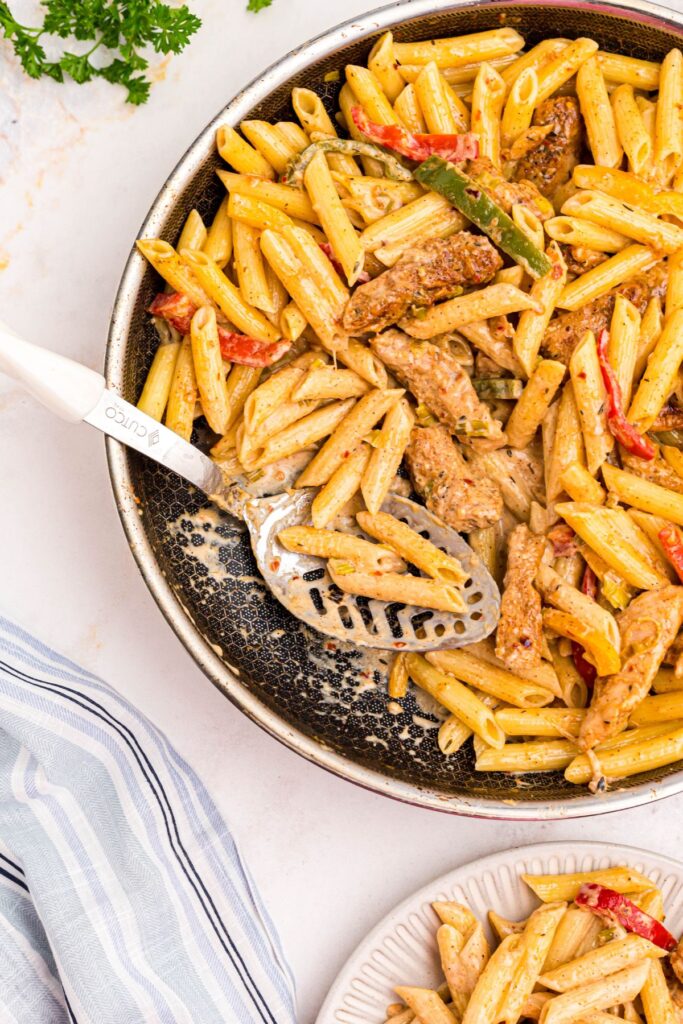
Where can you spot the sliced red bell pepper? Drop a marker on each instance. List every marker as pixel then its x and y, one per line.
pixel 671 539
pixel 624 432
pixel 240 348
pixel 175 308
pixel 616 907
pixel 415 145
pixel 362 278
pixel 588 672
pixel 178 309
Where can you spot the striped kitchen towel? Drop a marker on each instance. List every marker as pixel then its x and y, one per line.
pixel 123 898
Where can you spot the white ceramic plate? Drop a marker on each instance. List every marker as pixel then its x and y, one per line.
pixel 402 948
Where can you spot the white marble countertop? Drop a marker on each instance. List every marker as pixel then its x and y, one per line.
pixel 78 171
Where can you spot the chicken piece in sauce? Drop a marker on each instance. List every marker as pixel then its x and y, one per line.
pixel 647 628
pixel 433 270
pixel 567 329
pixel 440 382
pixel 519 638
pixel 507 194
pixel 462 495
pixel 549 164
pixel 580 260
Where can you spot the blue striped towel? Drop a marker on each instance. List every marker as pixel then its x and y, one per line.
pixel 123 898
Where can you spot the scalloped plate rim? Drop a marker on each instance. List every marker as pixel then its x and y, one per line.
pixel 474 870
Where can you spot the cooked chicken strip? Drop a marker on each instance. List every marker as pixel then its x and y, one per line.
pixel 438 380
pixel 549 164
pixel 567 329
pixel 519 638
pixel 507 194
pixel 462 495
pixel 434 270
pixel 647 627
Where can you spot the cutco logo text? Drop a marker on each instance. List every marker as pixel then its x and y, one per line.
pixel 118 416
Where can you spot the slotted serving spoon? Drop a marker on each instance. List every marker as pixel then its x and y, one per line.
pixel 300 582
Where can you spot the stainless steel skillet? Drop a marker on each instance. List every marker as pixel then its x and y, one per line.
pixel 325 699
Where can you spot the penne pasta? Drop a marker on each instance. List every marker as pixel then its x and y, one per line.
pixel 307 540
pixel 442 110
pixel 533 404
pixel 660 374
pixel 292 201
pixel 566 448
pixel 460 50
pixel 519 106
pixel 359 421
pixel 315 120
pixel 412 547
pixel 563 66
pixel 250 268
pixel 598 114
pixel 496 300
pixel 580 485
pixel 668 153
pixel 157 384
pixel 457 698
pixel 644 495
pixel 551 888
pixel 333 217
pixel 340 488
pixel 391 586
pixel 182 396
pixel 585 234
pixel 208 368
pixel 239 154
pixel 407 109
pixel 631 131
pixel 498 682
pixel 387 455
pixel 488 96
pixel 227 297
pixel 384 66
pixel 632 260
pixel 622 351
pixel 590 396
pixel 609 212
pixel 641 74
pixel 603 530
pixel 272 145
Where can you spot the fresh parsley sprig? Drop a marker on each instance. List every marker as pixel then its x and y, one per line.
pixel 121 28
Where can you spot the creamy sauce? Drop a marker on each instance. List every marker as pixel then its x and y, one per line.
pixel 342 675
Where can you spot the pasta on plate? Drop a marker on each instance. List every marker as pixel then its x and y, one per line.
pixel 594 951
pixel 471 276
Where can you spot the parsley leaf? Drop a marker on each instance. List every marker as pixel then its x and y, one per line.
pixel 121 28
pixel 258 5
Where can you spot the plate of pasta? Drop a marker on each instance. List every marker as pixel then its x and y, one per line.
pixel 444 264
pixel 532 934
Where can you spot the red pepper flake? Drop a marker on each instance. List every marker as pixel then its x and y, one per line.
pixel 275 564
pixel 624 432
pixel 415 145
pixel 329 646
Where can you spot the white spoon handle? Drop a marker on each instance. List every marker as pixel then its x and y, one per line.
pixel 66 388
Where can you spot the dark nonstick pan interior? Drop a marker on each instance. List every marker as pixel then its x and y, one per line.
pixel 326 700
